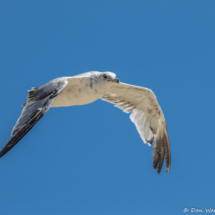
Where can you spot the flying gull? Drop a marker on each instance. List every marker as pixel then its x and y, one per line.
pixel 86 88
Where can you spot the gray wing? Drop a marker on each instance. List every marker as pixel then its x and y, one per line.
pixel 39 100
pixel 147 117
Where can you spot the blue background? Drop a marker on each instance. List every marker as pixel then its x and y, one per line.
pixel 90 159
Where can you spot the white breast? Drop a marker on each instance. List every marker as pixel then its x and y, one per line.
pixel 79 92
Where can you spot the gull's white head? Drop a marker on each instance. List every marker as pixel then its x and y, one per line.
pixel 102 81
pixel 106 78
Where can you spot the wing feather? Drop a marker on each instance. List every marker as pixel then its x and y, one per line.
pixel 22 132
pixel 39 100
pixel 147 116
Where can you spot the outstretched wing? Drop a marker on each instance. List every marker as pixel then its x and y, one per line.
pixel 147 117
pixel 39 100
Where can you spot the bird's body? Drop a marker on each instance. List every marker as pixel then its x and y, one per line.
pixel 86 88
pixel 81 90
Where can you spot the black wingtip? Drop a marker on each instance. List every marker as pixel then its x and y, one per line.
pixel 9 146
pixel 162 152
pixel 21 132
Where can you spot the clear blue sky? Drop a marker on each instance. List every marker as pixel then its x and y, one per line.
pixel 90 159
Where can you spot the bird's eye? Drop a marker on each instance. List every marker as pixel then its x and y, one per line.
pixel 105 76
